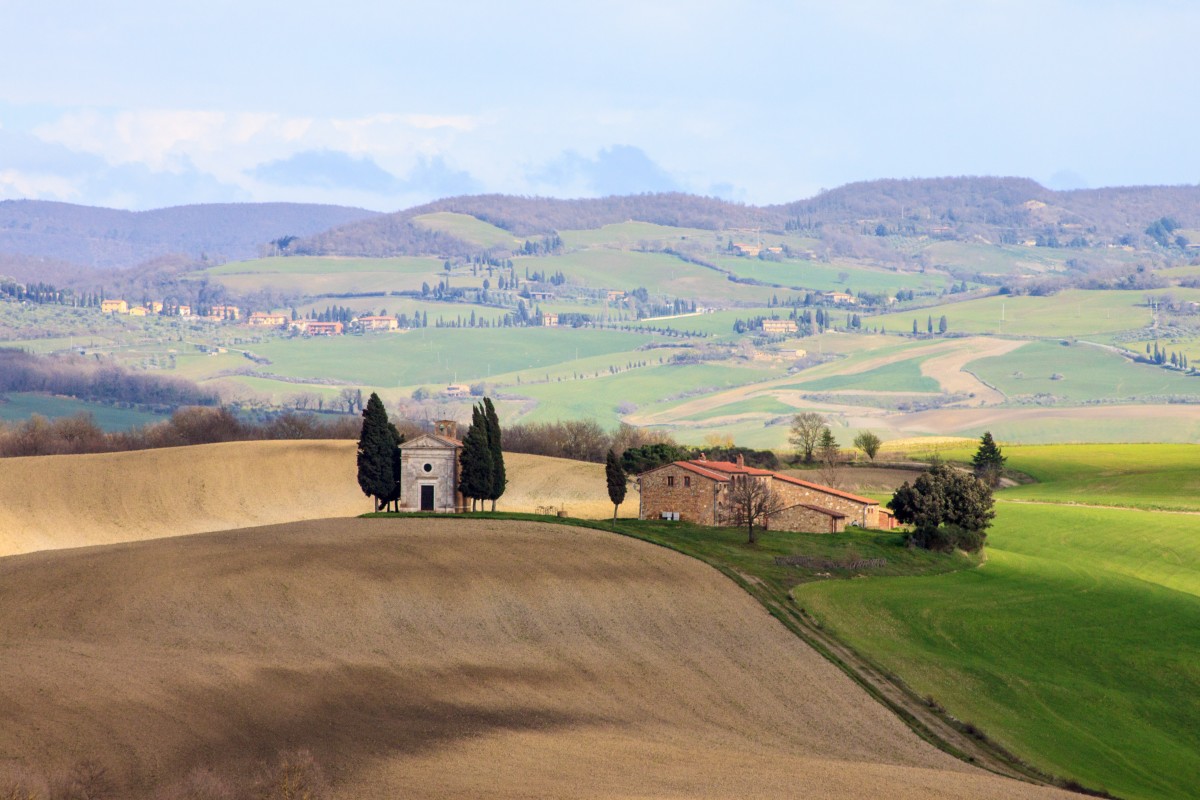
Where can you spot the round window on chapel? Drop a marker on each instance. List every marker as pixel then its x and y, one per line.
pixel 428 467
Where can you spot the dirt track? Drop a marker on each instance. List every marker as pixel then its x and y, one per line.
pixel 75 501
pixel 439 658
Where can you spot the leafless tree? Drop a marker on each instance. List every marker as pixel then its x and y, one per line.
pixel 751 501
pixel 806 432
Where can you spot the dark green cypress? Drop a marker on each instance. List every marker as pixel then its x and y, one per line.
pixel 475 479
pixel 499 478
pixel 376 453
pixel 614 474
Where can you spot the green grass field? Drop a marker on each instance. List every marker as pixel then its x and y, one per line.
pixel 658 273
pixel 1077 645
pixel 1145 476
pixel 898 376
pixel 645 389
pixel 1087 373
pixel 469 229
pixel 836 277
pixel 1068 313
pixel 20 406
pixel 438 355
pixel 633 234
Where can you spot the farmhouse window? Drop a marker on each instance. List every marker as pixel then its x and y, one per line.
pixel 670 480
pixel 687 481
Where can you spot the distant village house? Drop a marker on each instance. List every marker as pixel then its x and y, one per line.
pixel 779 326
pixel 262 319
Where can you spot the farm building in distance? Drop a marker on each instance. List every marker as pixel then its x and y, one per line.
pixel 378 323
pixel 550 320
pixel 114 307
pixel 310 327
pixel 779 326
pixel 698 491
pixel 261 319
pixel 429 471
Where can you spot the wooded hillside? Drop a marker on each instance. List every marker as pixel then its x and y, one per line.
pixel 105 238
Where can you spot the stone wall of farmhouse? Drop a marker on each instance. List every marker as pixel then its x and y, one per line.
pixel 856 513
pixel 674 488
pixel 799 518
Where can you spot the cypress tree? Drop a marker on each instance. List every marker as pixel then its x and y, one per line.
pixel 376 453
pixel 614 474
pixel 499 478
pixel 475 479
pixel 988 461
pixel 397 440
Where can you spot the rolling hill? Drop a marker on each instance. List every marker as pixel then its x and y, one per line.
pixel 149 494
pixel 447 658
pixel 106 238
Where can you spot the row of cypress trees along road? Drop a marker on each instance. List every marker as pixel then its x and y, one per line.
pixel 482 476
pixel 379 455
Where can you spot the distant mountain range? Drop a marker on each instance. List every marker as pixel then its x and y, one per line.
pixel 44 239
pixel 34 232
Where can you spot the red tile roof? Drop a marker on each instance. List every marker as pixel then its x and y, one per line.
pixel 825 489
pixel 720 470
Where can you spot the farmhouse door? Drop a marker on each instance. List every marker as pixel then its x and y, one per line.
pixel 427 498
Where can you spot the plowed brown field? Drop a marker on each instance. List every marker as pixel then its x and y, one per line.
pixel 73 501
pixel 447 658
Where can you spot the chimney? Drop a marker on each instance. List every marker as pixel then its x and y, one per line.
pixel 447 428
pixel 741 462
pixel 702 457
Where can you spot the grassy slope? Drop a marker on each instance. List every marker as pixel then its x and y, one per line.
pixel 598 398
pixel 22 405
pixel 1078 644
pixel 817 276
pixel 1087 373
pixel 1136 475
pixel 469 229
pixel 439 355
pixel 899 376
pixel 1069 313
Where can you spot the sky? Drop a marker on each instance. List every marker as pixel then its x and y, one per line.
pixel 384 105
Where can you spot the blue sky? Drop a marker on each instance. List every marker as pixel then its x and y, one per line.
pixel 384 105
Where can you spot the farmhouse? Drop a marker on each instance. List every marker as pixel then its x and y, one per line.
pixel 429 471
pixel 225 312
pixel 311 327
pixel 698 491
pixel 839 298
pixel 779 326
pixel 261 319
pixel 550 320
pixel 378 323
pixel 138 311
pixel 114 307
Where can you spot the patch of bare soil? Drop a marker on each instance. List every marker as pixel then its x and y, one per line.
pixel 446 658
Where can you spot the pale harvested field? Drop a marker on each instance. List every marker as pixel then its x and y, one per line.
pixel 447 658
pixel 952 420
pixel 53 502
pixel 948 369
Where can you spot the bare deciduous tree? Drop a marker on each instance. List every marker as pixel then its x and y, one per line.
pixel 806 431
pixel 751 501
